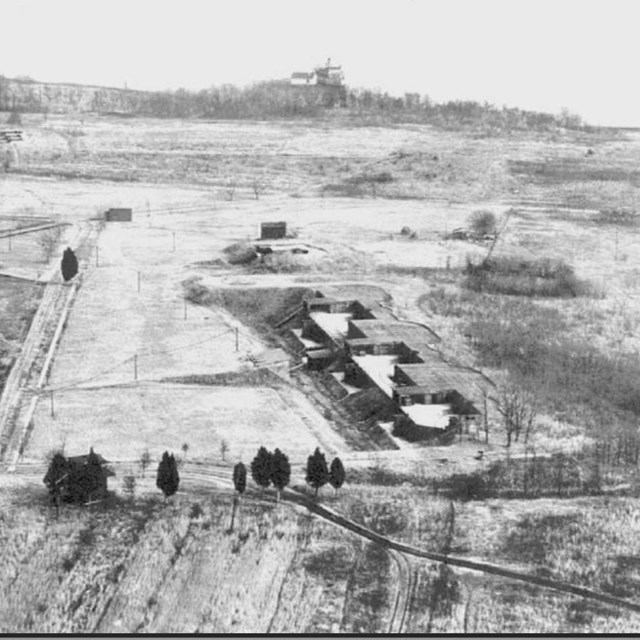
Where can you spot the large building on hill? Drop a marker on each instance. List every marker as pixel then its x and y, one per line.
pixel 329 75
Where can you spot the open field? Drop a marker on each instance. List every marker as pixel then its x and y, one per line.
pixel 147 567
pixel 140 566
pixel 127 420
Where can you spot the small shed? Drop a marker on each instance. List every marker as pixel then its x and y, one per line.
pixel 118 215
pixel 273 230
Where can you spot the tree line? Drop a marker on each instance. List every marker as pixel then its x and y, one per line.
pixel 274 99
pixel 83 479
pixel 269 468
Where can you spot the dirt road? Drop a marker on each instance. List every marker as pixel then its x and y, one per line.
pixel 29 372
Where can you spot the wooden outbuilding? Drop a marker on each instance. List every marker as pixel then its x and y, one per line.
pixel 118 215
pixel 273 230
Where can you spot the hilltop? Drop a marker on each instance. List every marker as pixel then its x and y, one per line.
pixel 275 99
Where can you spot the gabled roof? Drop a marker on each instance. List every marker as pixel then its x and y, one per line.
pixel 83 459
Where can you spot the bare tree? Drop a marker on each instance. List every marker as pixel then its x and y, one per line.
pixel 48 241
pixel 485 413
pixel 230 188
pixel 519 409
pixel 224 448
pixel 259 186
pixel 129 486
pixel 144 461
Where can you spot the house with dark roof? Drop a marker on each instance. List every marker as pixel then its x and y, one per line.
pixel 302 78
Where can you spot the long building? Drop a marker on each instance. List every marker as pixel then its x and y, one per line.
pixel 399 358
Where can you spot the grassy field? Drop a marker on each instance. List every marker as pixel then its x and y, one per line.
pixel 347 191
pixel 127 420
pixel 143 566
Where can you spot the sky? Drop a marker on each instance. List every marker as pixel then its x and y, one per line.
pixel 546 55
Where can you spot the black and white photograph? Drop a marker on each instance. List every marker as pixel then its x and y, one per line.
pixel 319 317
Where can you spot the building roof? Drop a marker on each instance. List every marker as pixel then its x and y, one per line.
pixel 319 354
pixel 414 336
pixel 317 301
pixel 356 342
pixel 441 376
pixel 302 75
pixel 409 390
pixel 379 369
pixel 333 324
pixel 83 459
pixel 435 416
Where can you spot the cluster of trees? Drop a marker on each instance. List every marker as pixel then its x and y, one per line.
pixel 83 479
pixel 318 474
pixel 273 468
pixel 274 99
pixel 78 480
pixel 541 278
pixel 610 463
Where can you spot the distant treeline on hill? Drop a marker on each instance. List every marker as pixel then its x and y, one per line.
pixel 272 99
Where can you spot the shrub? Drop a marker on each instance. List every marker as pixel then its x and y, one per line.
pixel 483 222
pixel 533 278
pixel 240 253
pixel 618 217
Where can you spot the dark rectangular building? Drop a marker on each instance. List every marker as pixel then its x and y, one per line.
pixel 118 215
pixel 273 230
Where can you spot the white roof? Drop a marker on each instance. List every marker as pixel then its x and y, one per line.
pixel 429 415
pixel 335 324
pixel 379 369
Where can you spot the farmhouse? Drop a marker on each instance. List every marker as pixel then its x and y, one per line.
pixel 328 75
pixel 301 78
pixel 85 478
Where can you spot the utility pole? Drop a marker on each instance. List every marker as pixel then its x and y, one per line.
pixel 10 249
pixel 237 338
pixel 135 367
pixel 53 413
pixel 97 255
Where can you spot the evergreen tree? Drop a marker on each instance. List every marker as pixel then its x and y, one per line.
pixel 317 470
pixel 336 474
pixel 55 478
pixel 168 479
pixel 69 264
pixel 240 477
pixel 261 468
pixel 95 476
pixel 280 471
pixel 240 484
pixel 85 481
